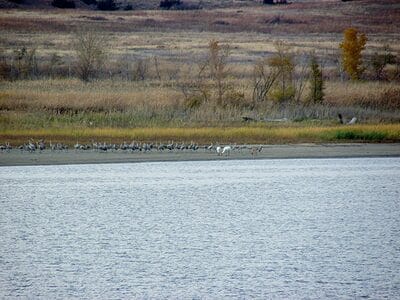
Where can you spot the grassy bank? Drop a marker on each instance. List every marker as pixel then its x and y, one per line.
pixel 70 103
pixel 239 135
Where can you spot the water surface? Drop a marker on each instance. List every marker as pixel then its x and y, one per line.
pixel 310 228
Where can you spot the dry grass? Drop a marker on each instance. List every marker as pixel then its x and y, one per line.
pixel 239 135
pixel 73 96
pixel 71 103
pixel 378 95
pixel 63 96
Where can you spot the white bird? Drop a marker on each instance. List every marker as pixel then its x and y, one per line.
pixel 219 151
pixel 352 121
pixel 227 150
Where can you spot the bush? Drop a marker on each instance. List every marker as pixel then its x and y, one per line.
pixel 25 64
pixel 283 95
pixel 194 101
pixel 390 99
pixel 5 70
pixel 63 3
pixel 379 62
pixel 235 99
pixel 106 5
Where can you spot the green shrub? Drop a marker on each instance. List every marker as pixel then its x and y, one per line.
pixel 283 96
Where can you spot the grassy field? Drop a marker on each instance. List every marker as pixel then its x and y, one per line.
pixel 55 104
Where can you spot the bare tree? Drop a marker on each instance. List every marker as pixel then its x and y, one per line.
pixel 157 68
pixel 217 63
pixel 301 76
pixel 90 47
pixel 263 80
pixel 24 63
pixel 140 69
pixel 195 88
pixel 55 61
pixel 283 63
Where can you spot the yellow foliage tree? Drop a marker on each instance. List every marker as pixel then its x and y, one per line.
pixel 352 46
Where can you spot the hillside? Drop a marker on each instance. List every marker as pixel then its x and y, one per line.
pixel 146 4
pixel 136 4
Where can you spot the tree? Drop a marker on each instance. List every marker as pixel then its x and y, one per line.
pixel 24 63
pixel 283 64
pixel 316 81
pixel 5 67
pixel 217 64
pixel 352 46
pixel 55 60
pixel 263 80
pixel 379 62
pixel 90 48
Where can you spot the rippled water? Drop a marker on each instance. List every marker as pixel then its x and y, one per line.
pixel 318 228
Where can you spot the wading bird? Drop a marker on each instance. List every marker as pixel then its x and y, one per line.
pixel 227 150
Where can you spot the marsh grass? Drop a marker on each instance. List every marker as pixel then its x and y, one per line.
pixel 240 135
pixel 363 136
pixel 108 103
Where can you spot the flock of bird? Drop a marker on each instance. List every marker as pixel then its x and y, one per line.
pixel 40 145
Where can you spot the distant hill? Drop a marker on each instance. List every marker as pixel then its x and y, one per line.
pixel 141 4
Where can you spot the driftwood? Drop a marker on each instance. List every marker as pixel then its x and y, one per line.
pixel 276 120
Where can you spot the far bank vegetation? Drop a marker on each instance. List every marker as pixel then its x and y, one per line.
pixel 93 87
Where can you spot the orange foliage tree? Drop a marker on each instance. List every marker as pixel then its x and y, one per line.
pixel 352 46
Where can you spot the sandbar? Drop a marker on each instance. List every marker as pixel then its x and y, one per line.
pixel 22 158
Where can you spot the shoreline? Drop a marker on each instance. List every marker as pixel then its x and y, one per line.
pixel 288 151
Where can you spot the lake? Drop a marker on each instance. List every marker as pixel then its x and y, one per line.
pixel 305 228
